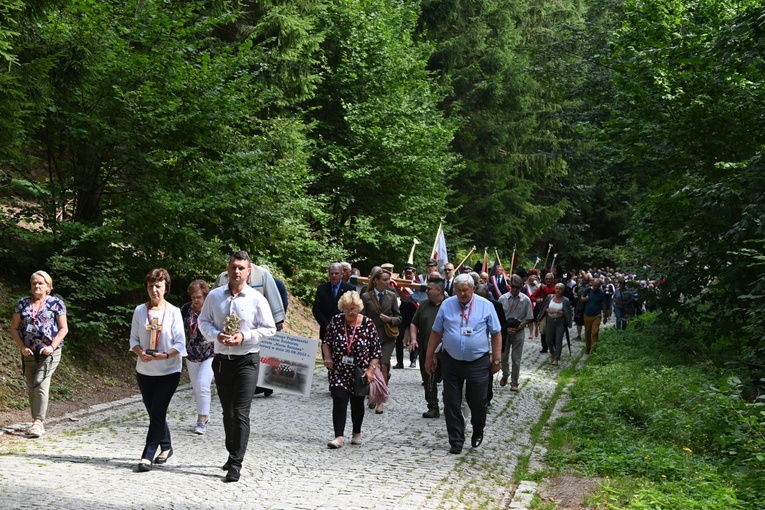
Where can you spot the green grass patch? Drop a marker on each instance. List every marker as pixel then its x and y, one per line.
pixel 667 429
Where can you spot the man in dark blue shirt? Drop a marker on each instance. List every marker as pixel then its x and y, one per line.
pixel 594 309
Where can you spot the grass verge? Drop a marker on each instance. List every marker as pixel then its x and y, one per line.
pixel 664 427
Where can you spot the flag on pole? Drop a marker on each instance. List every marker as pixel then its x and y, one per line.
pixel 439 249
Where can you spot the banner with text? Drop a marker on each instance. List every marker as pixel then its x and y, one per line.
pixel 287 363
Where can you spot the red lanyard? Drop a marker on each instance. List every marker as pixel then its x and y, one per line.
pixel 470 312
pixel 349 341
pixel 193 324
pixel 36 313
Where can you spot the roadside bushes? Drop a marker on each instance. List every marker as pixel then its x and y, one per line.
pixel 668 427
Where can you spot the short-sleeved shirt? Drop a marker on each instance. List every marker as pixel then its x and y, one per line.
pixel 466 329
pixel 364 346
pixel 520 307
pixel 38 329
pixel 424 318
pixel 595 305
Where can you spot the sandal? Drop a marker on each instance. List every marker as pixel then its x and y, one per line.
pixel 36 430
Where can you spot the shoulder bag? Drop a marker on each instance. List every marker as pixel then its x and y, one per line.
pixel 391 331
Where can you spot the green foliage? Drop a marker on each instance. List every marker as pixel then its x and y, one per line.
pixel 670 431
pixel 382 147
pixel 507 138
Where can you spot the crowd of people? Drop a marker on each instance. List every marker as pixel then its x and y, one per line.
pixel 459 328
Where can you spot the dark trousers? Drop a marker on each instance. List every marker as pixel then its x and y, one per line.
pixel 236 378
pixel 431 387
pixel 340 398
pixel 475 376
pixel 407 313
pixel 157 391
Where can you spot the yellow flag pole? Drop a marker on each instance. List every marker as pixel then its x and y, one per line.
pixel 549 247
pixel 466 257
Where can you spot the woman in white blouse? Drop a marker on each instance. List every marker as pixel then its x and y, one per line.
pixel 158 339
pixel 556 310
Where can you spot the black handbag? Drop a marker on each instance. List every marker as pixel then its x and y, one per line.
pixel 360 383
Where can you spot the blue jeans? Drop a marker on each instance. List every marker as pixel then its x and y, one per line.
pixel 236 378
pixel 621 318
pixel 157 392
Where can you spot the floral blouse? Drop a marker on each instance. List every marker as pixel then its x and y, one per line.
pixel 39 329
pixel 364 346
pixel 197 346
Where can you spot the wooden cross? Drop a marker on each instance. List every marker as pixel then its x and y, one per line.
pixel 155 328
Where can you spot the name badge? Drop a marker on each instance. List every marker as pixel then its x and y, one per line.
pixel 347 360
pixel 467 331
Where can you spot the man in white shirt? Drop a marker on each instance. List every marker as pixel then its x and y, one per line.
pixel 237 356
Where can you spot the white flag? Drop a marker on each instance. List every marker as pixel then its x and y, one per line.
pixel 439 249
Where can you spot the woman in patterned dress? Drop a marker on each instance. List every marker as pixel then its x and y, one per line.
pixel 351 340
pixel 200 353
pixel 38 327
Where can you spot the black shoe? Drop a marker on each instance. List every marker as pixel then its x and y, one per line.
pixel 268 393
pixel 227 465
pixel 587 351
pixel 233 474
pixel 398 365
pixel 161 460
pixel 476 440
pixel 371 406
pixel 431 413
pixel 456 450
pixel 144 466
pixel 543 351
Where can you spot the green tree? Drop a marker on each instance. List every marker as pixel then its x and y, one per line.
pixel 506 137
pixel 382 147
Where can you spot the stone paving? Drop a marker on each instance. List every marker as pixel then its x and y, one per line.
pixel 88 459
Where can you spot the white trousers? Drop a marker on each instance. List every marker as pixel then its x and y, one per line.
pixel 201 375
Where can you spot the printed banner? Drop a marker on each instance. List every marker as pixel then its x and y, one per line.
pixel 287 363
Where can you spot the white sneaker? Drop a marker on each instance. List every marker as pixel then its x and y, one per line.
pixel 36 430
pixel 200 428
pixel 356 440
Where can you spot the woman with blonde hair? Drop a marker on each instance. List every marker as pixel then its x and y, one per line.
pixel 351 342
pixel 556 310
pixel 38 327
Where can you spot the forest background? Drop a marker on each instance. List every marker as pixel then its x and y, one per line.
pixel 142 134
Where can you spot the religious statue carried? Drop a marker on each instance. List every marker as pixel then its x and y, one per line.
pixel 231 324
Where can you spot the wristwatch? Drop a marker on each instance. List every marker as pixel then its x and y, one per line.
pixel 497 361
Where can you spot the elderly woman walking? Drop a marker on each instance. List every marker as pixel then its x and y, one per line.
pixel 556 310
pixel 38 327
pixel 351 342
